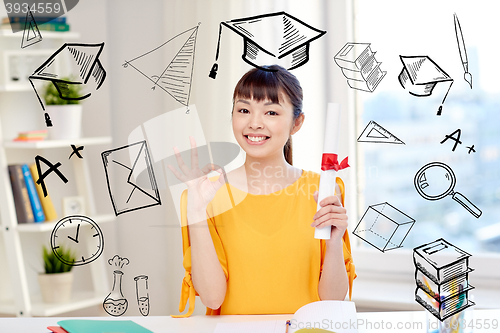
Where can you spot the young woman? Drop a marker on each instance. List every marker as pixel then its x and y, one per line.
pixel 260 256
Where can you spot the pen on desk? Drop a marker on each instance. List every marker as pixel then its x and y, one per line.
pixel 462 51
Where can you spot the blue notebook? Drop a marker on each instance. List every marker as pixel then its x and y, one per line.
pixel 101 326
pixel 36 205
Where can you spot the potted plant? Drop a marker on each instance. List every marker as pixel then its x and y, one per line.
pixel 66 115
pixel 57 281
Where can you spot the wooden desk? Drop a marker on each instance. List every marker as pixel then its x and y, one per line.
pixel 404 321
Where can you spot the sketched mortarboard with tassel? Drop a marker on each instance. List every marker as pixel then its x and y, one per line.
pixel 420 74
pixel 271 37
pixel 83 65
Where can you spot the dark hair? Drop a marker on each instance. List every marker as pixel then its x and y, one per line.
pixel 268 84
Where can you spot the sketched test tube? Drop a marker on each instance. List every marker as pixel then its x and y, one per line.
pixel 141 287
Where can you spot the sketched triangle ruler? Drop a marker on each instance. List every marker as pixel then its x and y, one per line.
pixel 31 34
pixel 375 133
pixel 177 76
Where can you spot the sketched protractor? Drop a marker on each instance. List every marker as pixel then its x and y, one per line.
pixel 434 181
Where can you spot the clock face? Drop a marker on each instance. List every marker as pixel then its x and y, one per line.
pixel 75 207
pixel 79 234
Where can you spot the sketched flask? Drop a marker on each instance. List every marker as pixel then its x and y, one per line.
pixel 115 304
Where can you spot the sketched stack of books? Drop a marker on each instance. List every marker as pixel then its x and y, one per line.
pixel 359 66
pixel 442 274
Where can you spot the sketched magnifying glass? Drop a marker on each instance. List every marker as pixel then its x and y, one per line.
pixel 436 180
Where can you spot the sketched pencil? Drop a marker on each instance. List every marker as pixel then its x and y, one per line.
pixel 462 51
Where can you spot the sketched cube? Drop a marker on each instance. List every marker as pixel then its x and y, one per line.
pixel 384 227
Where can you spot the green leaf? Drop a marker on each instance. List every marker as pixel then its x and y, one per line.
pixel 51 94
pixel 52 264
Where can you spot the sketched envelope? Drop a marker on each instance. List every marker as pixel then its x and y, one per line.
pixel 120 165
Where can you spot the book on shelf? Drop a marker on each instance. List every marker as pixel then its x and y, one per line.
pixel 47 204
pixel 39 19
pixel 20 192
pixel 29 139
pixel 31 136
pixel 36 205
pixel 60 27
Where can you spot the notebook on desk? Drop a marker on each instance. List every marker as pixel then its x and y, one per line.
pixel 101 326
pixel 322 316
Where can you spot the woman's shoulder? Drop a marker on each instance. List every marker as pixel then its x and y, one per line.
pixel 309 182
pixel 311 176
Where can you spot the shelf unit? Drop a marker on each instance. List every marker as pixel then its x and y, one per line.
pixel 45 34
pixel 80 300
pixel 24 302
pixel 57 143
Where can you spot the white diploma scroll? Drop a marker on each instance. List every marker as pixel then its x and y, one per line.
pixel 328 178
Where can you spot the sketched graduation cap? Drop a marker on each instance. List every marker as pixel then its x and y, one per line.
pixel 270 37
pixel 420 74
pixel 84 65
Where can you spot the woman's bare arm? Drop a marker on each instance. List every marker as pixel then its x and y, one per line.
pixel 333 283
pixel 207 274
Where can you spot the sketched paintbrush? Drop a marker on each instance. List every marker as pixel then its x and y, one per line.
pixel 462 51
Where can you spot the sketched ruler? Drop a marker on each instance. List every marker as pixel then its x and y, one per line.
pixel 373 132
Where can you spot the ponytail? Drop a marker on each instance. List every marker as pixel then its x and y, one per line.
pixel 287 151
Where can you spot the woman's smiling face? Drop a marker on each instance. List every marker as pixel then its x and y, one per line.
pixel 262 127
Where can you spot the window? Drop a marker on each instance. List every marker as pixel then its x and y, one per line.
pixel 388 170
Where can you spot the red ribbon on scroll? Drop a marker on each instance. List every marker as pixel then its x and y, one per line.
pixel 330 161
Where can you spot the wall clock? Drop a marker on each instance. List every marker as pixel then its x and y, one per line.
pixel 81 235
pixel 73 206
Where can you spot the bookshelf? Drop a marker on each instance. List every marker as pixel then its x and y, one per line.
pixel 80 300
pixel 49 225
pixel 6 33
pixel 56 143
pixel 22 299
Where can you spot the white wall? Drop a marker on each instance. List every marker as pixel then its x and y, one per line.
pixel 150 238
pixel 143 236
